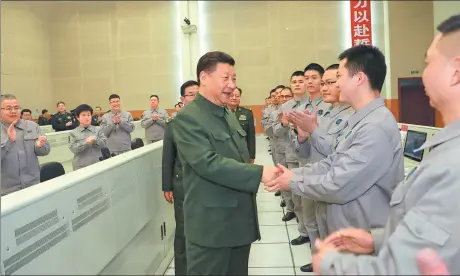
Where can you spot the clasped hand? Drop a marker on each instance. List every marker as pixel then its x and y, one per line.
pixel 306 120
pixel 276 178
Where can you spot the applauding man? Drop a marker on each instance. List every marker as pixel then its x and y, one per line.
pixel 22 141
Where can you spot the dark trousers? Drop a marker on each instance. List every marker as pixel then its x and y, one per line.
pixel 180 258
pixel 217 261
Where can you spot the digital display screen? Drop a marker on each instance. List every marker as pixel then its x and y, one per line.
pixel 414 140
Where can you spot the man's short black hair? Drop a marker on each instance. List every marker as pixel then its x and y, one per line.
pixel 369 60
pixel 156 96
pixel 208 62
pixel 187 84
pixel 315 67
pixel 177 104
pixel 450 25
pixel 297 74
pixel 334 66
pixel 287 88
pixel 113 96
pixel 26 110
pixel 99 107
pixel 280 86
pixel 239 89
pixel 44 111
pixel 60 102
pixel 81 108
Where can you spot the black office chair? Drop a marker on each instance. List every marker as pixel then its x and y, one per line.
pixel 137 143
pixel 105 154
pixel 51 170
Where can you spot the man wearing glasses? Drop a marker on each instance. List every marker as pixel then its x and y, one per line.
pixel 172 180
pixel 21 142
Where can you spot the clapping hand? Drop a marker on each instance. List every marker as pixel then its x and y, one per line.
pixel 306 121
pixel 281 182
pixel 68 123
pixel 41 141
pixel 90 140
pixel 12 131
pixel 322 249
pixel 155 116
pixel 116 119
pixel 353 240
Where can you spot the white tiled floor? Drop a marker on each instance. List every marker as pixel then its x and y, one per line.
pixel 273 254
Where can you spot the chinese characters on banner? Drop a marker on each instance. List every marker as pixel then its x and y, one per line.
pixel 361 27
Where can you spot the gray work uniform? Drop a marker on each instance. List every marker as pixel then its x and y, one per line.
pixel 308 205
pixel 265 115
pixel 281 138
pixel 84 153
pixel 423 214
pixel 357 180
pixel 118 135
pixel 154 130
pixel 269 130
pixel 321 144
pixel 20 167
pixel 292 159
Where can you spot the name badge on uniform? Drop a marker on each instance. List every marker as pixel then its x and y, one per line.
pixel 348 134
pixel 320 112
pixel 242 118
pixel 338 121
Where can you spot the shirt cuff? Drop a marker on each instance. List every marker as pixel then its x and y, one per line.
pixel 294 184
pixel 327 262
pixel 318 133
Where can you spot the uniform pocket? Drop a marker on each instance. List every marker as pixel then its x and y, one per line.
pixel 420 226
pixel 221 137
pixel 242 132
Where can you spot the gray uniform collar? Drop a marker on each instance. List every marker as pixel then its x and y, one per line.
pixel 305 100
pixel 449 132
pixel 82 128
pixel 316 101
pixel 356 117
pixel 332 111
pixel 20 124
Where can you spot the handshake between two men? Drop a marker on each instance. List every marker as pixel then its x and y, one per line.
pixel 304 123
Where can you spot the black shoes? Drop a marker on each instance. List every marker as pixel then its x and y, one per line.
pixel 288 216
pixel 300 240
pixel 282 204
pixel 307 268
pixel 278 193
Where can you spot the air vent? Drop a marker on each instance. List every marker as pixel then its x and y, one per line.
pixel 89 198
pixel 32 229
pixel 34 250
pixel 89 215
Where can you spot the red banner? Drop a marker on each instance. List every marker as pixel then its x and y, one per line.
pixel 361 27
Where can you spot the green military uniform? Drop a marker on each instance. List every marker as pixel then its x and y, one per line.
pixel 220 187
pixel 246 119
pixel 172 182
pixel 59 121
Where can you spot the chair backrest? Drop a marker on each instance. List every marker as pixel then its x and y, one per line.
pixel 51 170
pixel 105 153
pixel 139 142
pixel 133 144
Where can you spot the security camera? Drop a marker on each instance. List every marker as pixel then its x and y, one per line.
pixel 187 21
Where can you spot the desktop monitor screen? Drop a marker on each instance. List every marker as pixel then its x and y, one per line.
pixel 414 140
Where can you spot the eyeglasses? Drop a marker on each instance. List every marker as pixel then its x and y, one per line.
pixel 11 108
pixel 285 96
pixel 328 83
pixel 190 95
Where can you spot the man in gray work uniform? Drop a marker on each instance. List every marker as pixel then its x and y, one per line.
pixel 317 138
pixel 424 208
pixel 21 142
pixel 357 180
pixel 117 126
pixel 153 120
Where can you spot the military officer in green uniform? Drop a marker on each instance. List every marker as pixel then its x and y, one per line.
pixel 172 180
pixel 63 120
pixel 246 119
pixel 220 185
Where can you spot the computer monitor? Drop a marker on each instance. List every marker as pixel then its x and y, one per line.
pixel 414 140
